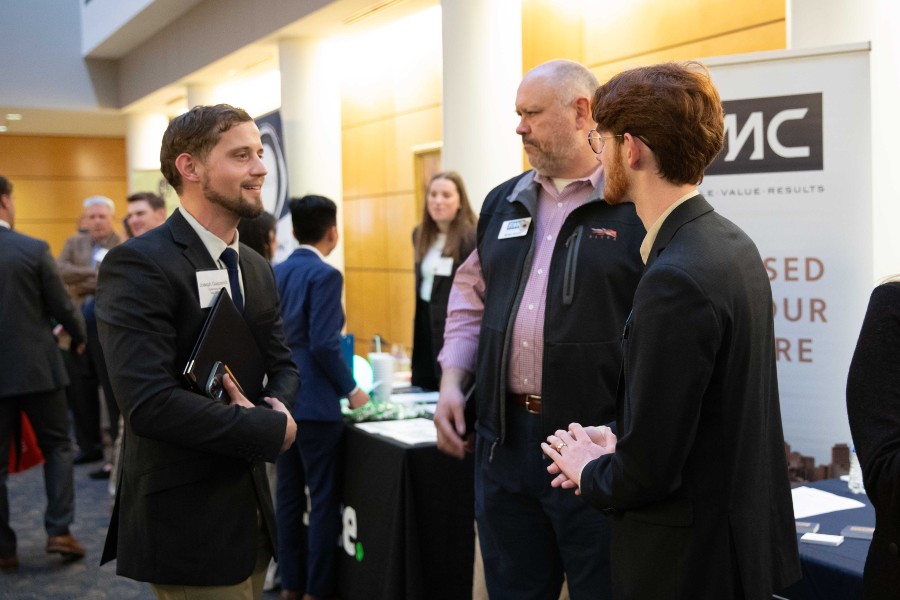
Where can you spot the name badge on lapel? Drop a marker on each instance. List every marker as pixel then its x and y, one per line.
pixel 444 266
pixel 515 228
pixel 209 283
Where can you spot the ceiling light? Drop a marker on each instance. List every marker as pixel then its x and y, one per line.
pixel 13 117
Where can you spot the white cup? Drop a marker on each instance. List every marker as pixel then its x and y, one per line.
pixel 382 375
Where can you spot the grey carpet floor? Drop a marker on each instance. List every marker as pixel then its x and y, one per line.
pixel 43 576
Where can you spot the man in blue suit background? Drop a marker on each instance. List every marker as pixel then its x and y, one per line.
pixel 310 291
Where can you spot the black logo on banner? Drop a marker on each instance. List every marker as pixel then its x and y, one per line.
pixel 768 135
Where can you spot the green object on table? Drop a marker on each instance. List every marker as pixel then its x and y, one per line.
pixel 381 411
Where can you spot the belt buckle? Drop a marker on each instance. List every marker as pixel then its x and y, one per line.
pixel 528 400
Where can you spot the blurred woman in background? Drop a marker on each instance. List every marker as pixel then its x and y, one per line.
pixel 443 240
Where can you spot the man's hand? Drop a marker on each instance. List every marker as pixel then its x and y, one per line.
pixel 449 416
pixel 290 432
pixel 358 398
pixel 571 450
pixel 237 398
pixel 234 393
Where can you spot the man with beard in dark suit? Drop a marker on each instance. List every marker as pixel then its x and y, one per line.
pixel 193 513
pixel 697 477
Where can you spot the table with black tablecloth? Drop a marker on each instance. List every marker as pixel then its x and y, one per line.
pixel 834 573
pixel 408 521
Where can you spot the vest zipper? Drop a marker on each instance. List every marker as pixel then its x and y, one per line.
pixel 573 243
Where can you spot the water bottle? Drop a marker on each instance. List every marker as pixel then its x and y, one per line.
pixel 855 480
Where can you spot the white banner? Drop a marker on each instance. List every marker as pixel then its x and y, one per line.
pixel 795 174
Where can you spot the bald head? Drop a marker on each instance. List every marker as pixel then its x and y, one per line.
pixel 570 79
pixel 553 103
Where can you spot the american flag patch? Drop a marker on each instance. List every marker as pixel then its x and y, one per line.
pixel 603 233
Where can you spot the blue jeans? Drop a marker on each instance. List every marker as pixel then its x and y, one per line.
pixel 532 534
pixel 47 413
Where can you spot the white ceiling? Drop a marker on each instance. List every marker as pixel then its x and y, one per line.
pixel 340 18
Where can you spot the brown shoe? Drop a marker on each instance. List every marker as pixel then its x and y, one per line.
pixel 66 545
pixel 8 564
pixel 289 595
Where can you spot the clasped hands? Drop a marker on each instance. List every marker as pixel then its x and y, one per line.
pixel 571 450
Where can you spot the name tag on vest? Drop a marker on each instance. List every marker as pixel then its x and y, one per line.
pixel 515 228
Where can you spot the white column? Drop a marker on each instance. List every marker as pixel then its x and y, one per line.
pixel 482 60
pixel 311 120
pixel 828 22
pixel 201 95
pixel 142 145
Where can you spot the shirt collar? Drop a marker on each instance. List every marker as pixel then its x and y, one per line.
pixel 5 224
pixel 547 182
pixel 312 249
pixel 214 245
pixel 650 238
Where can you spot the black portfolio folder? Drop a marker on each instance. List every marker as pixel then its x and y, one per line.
pixel 226 340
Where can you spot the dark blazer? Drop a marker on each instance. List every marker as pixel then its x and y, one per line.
pixel 310 291
pixel 31 295
pixel 699 478
pixel 873 405
pixel 192 485
pixel 425 365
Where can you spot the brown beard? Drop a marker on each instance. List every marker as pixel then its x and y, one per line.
pixel 615 186
pixel 238 205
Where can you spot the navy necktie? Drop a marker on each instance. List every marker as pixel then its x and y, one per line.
pixel 230 258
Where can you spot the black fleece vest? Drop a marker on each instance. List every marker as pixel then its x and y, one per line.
pixel 594 271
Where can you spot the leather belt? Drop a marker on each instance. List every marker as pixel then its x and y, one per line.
pixel 529 402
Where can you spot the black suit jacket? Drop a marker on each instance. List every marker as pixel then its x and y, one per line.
pixel 192 485
pixel 873 405
pixel 699 480
pixel 31 294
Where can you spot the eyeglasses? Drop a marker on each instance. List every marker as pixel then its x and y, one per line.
pixel 597 141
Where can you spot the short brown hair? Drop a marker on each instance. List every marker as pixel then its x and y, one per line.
pixel 154 201
pixel 674 108
pixel 5 186
pixel 196 132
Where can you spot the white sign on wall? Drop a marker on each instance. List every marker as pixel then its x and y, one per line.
pixel 795 174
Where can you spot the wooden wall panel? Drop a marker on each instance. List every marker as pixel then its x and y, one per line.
pixel 764 37
pixel 365 233
pixel 54 233
pixel 411 130
pixel 623 30
pixel 402 306
pixel 400 214
pixel 64 157
pixel 52 175
pixel 368 310
pixel 550 30
pixel 364 154
pixel 41 199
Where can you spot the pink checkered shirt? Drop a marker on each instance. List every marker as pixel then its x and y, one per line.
pixel 466 304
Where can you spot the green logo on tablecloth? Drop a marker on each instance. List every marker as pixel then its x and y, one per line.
pixel 352 546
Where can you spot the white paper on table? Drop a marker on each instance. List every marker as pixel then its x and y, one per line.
pixel 415 397
pixel 809 501
pixel 408 431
